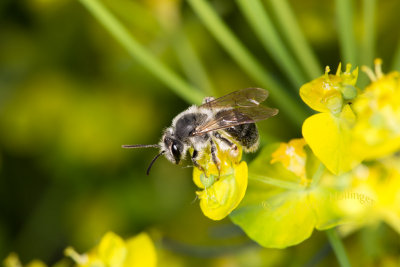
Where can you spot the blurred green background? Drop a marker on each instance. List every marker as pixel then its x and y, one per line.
pixel 70 96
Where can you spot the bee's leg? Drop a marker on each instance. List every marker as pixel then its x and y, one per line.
pixel 195 163
pixel 234 149
pixel 214 156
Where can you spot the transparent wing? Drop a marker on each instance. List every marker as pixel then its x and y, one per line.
pixel 236 116
pixel 249 97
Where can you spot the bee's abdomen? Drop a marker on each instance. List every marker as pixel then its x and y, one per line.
pixel 245 134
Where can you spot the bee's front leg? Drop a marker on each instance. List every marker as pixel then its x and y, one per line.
pixel 195 163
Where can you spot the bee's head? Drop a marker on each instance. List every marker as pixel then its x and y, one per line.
pixel 173 148
pixel 170 146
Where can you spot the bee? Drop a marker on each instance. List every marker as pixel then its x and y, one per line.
pixel 227 121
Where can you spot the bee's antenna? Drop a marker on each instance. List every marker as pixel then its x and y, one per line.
pixel 140 146
pixel 152 162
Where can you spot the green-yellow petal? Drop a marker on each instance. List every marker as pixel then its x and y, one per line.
pixel 279 210
pixel 275 218
pixel 328 213
pixel 276 211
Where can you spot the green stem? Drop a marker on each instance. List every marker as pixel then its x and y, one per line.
pixel 344 11
pixel 294 109
pixel 367 53
pixel 338 247
pixel 396 58
pixel 366 56
pixel 275 182
pixel 292 32
pixel 262 25
pixel 141 54
pixel 191 63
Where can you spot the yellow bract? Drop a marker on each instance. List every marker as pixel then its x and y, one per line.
pixel 113 251
pixel 222 191
pixel 281 208
pixel 331 139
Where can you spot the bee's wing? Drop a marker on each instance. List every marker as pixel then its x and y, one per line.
pixel 235 116
pixel 249 97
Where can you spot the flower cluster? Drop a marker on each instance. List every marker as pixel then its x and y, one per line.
pixel 114 251
pixel 354 124
pixel 377 130
pixel 13 260
pixel 344 170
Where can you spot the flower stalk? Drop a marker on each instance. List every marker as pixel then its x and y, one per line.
pixel 338 247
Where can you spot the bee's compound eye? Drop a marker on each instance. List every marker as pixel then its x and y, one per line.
pixel 176 152
pixel 174 148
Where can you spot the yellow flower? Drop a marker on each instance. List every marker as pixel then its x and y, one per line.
pixel 222 191
pixel 329 133
pixel 353 126
pixel 12 260
pixel 113 251
pixel 292 156
pixel 378 114
pixel 329 93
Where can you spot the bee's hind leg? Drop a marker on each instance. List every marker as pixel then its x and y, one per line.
pixel 234 151
pixel 215 159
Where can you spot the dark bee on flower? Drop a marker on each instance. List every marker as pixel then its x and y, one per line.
pixel 223 122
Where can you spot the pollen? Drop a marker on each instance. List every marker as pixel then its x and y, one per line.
pixel 290 151
pixel 292 156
